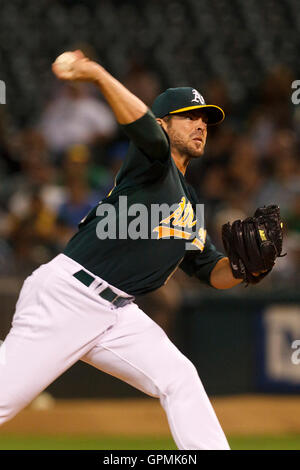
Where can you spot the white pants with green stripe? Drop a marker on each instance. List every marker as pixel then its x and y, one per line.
pixel 58 321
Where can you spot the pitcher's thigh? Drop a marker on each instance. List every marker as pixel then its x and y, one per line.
pixel 139 352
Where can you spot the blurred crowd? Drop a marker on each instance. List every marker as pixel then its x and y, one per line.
pixel 54 171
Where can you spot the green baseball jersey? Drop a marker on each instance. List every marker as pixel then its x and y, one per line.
pixel 148 225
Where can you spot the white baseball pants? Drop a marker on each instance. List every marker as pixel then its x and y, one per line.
pixel 58 321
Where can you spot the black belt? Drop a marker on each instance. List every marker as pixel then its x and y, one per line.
pixel 107 294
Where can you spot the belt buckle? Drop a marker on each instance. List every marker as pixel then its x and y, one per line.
pixel 121 301
pixel 113 301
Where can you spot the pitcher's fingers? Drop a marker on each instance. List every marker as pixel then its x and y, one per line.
pixel 79 54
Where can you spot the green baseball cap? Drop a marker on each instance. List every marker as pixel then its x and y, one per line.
pixel 179 100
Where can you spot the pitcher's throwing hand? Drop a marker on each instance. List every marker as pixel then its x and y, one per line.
pixel 75 66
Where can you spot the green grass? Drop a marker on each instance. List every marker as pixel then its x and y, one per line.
pixel 17 442
pixel 84 443
pixel 284 442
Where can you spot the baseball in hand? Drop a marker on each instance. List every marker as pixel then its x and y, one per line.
pixel 64 62
pixel 74 66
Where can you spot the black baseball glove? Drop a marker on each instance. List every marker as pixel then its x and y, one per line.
pixel 253 244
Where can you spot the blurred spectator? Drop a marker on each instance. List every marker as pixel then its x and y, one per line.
pixel 80 198
pixel 79 202
pixel 292 214
pixel 36 171
pixel 244 176
pixel 142 82
pixel 116 156
pixel 78 162
pixel 281 189
pixel 275 95
pixel 282 145
pixel 75 116
pixel 285 274
pixel 8 163
pixel 32 235
pixel 273 109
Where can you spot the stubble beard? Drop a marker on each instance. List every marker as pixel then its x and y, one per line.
pixel 184 148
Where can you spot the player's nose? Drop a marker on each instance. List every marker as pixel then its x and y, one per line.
pixel 201 123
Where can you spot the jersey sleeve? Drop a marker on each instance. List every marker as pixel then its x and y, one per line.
pixel 148 155
pixel 200 264
pixel 148 136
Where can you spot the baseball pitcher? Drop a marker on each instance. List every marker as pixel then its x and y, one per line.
pixel 81 305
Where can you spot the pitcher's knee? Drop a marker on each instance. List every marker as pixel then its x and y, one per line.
pixel 182 378
pixel 188 375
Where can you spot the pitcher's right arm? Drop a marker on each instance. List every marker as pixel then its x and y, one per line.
pixel 132 113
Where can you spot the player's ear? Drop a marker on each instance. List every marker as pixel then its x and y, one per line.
pixel 162 123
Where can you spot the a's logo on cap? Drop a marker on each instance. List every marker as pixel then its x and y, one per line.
pixel 197 97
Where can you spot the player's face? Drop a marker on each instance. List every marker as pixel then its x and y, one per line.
pixel 187 132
